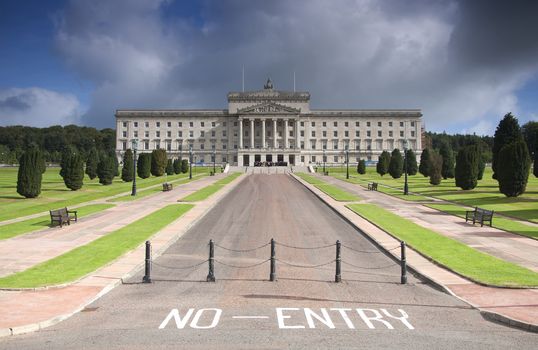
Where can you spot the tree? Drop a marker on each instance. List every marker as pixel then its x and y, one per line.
pixel 127 172
pixel 29 176
pixel 73 170
pixel 396 164
pixel 513 168
pixel 184 166
pixel 116 163
pixel 448 161
pixel 158 162
pixel 535 169
pixel 466 171
pixel 177 166
pixel 507 132
pixel 424 167
pixel 143 165
pixel 530 134
pixel 91 163
pixel 66 156
pixel 361 167
pixel 411 160
pixel 383 163
pixel 481 165
pixel 436 167
pixel 169 167
pixel 105 169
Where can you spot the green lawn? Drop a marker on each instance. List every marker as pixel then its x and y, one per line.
pixel 335 192
pixel 485 195
pixel 39 223
pixel 83 260
pixel 55 195
pixel 498 222
pixel 457 256
pixel 207 191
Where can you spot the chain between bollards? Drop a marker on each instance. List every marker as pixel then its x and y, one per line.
pixel 272 274
pixel 211 273
pixel 147 270
pixel 403 263
pixel 338 275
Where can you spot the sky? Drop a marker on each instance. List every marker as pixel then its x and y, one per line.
pixel 465 63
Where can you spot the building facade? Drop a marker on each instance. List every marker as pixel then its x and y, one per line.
pixel 270 126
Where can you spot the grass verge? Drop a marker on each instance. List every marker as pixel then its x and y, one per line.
pixel 456 256
pixel 207 191
pixel 153 190
pixel 42 222
pixel 498 222
pixel 334 192
pixel 80 261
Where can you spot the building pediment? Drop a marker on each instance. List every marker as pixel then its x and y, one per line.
pixel 269 108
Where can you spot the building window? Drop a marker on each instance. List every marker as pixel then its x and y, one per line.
pixel 291 133
pixel 390 123
pixel 335 133
pixel 146 124
pixel 379 124
pixel 412 134
pixel 412 123
pixel 390 133
pixel 191 124
pixel 314 159
pixel 368 124
pixel 302 123
pixel 324 145
pixel 213 146
pixel 180 124
pixel 135 134
pixel 401 134
pixel 135 124
pixel 180 133
pixel 157 144
pixel 302 133
pixel 191 133
pixel 324 124
pixel 146 133
pixel 202 146
pixel 401 124
pixel 313 144
pixel 202 124
pixel 313 123
pixel 168 134
pixel 224 159
pixel 124 133
pixel 379 134
pixel 235 146
pixel 368 133
pixel 124 145
pixel 212 133
pixel 213 124
pixel 169 124
pixel 169 146
pixel 357 124
pixel 324 133
pixel 302 144
pixel 357 133
pixel 124 124
pixel 157 134
pixel 146 145
pixel 202 133
pixel 346 133
pixel 313 133
pixel 335 159
pixel 158 124
pixel 223 133
pixel 346 124
pixel 335 144
pixel 224 146
pixel 335 124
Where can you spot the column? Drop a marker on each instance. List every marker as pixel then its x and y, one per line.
pixel 285 133
pixel 274 133
pixel 263 133
pixel 297 123
pixel 251 133
pixel 240 133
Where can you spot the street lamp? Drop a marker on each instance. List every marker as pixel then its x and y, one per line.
pixel 406 188
pixel 134 143
pixel 324 157
pixel 190 162
pixel 347 162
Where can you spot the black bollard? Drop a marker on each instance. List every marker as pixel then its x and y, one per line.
pixel 338 276
pixel 147 270
pixel 272 275
pixel 211 274
pixel 403 263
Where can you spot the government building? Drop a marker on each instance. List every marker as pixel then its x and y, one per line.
pixel 269 126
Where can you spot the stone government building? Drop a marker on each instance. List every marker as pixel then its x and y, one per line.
pixel 270 125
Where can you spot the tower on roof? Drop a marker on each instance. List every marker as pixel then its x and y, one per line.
pixel 268 85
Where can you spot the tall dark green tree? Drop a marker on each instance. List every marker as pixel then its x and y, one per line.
pixel 436 167
pixel 184 166
pixel 412 166
pixel 127 171
pixel 143 165
pixel 177 166
pixel 383 163
pixel 158 162
pixel 361 167
pixel 169 167
pixel 29 176
pixel 513 168
pixel 396 164
pixel 424 167
pixel 105 169
pixel 73 171
pixel 67 153
pixel 467 166
pixel 91 163
pixel 116 163
pixel 447 172
pixel 481 165
pixel 535 168
pixel 507 132
pixel 530 134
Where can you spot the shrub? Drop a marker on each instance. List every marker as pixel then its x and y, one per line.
pixel 105 170
pixel 184 166
pixel 507 132
pixel 383 163
pixel 91 163
pixel 466 171
pixel 29 176
pixel 143 165
pixel 448 161
pixel 361 167
pixel 177 166
pixel 169 167
pixel 396 164
pixel 513 168
pixel 73 171
pixel 424 167
pixel 436 167
pixel 158 162
pixel 411 162
pixel 127 171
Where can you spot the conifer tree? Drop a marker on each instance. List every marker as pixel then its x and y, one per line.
pixel 184 166
pixel 169 167
pixel 466 171
pixel 158 162
pixel 143 165
pixel 29 176
pixel 361 167
pixel 91 163
pixel 507 132
pixel 411 160
pixel 105 169
pixel 448 161
pixel 535 168
pixel 177 166
pixel 481 165
pixel 112 155
pixel 383 163
pixel 127 171
pixel 396 164
pixel 513 168
pixel 436 167
pixel 73 171
pixel 424 167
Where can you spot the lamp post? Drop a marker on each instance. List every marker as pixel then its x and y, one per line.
pixel 324 157
pixel 406 188
pixel 134 143
pixel 347 162
pixel 214 159
pixel 190 162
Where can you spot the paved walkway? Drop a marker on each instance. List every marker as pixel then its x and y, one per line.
pixel 24 251
pixel 518 307
pixel 507 246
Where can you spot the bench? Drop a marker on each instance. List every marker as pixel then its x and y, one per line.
pixel 372 186
pixel 167 187
pixel 62 216
pixel 479 215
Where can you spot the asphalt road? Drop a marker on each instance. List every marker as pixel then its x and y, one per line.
pixel 304 309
